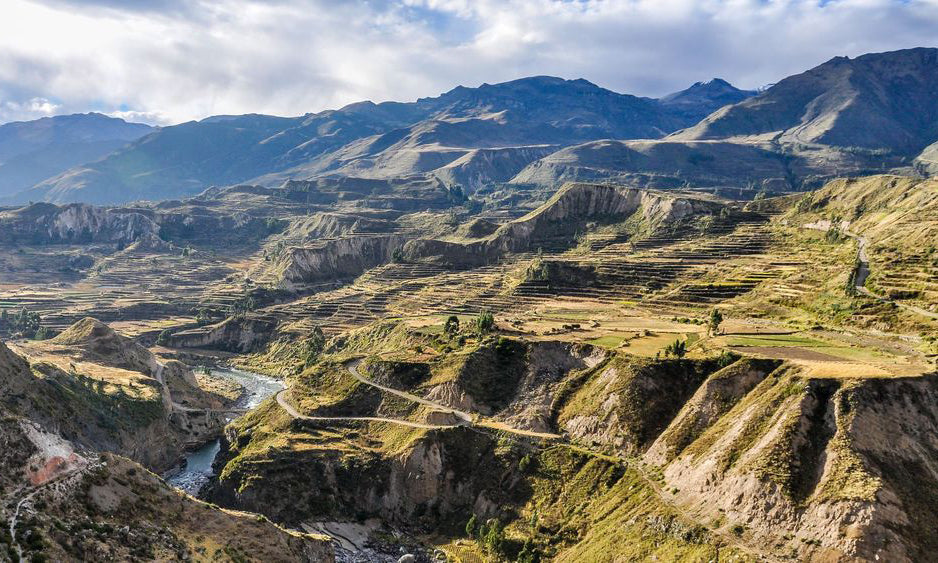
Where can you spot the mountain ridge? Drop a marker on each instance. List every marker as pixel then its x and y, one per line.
pixel 874 101
pixel 387 139
pixel 871 114
pixel 31 151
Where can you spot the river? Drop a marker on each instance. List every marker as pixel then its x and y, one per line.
pixel 197 469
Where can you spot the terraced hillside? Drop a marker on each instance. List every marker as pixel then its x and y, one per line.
pixel 609 371
pixel 894 218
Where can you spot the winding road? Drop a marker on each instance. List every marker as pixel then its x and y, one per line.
pixel 462 415
pixel 465 418
pixel 296 414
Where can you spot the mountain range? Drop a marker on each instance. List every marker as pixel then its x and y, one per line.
pixel 855 116
pixel 31 151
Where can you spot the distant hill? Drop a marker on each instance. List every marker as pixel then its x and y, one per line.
pixel 370 140
pixel 869 115
pixel 31 151
pixel 704 98
pixel 884 101
pixel 872 114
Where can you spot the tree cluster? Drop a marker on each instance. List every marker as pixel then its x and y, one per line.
pixel 23 323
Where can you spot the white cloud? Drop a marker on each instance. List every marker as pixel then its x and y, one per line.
pixel 32 108
pixel 154 117
pixel 171 61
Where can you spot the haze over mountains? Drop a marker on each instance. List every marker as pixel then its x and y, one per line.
pixel 847 116
pixel 31 151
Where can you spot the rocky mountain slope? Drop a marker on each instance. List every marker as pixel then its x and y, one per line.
pixel 882 101
pixel 31 151
pixel 46 223
pixel 553 223
pixel 378 140
pixel 704 98
pixel 104 392
pixel 845 117
pixel 65 504
pixel 861 116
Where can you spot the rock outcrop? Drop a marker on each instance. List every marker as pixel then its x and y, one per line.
pixel 236 334
pixel 336 259
pixel 561 217
pixel 45 223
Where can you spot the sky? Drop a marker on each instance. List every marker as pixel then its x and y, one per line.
pixel 169 61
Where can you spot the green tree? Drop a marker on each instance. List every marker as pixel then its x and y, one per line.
pixel 485 322
pixel 245 304
pixel 676 349
pixel 25 323
pixel 716 318
pixel 397 256
pixel 203 317
pixel 163 338
pixel 494 538
pixel 42 333
pixel 471 526
pixel 451 328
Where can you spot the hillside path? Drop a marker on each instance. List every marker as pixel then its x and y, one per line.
pixel 296 414
pixel 863 272
pixel 462 415
pixel 465 418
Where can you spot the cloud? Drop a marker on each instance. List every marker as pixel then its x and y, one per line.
pixel 153 117
pixel 172 60
pixel 32 108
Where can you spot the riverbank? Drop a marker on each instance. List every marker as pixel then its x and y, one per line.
pixel 195 470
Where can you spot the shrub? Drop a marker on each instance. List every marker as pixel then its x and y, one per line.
pixel 524 463
pixel 451 328
pixel 471 526
pixel 676 349
pixel 163 338
pixel 485 322
pixel 494 537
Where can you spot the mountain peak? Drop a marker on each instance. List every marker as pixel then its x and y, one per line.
pixel 710 88
pixel 703 98
pixel 859 102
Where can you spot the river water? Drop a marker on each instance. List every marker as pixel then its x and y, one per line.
pixel 197 470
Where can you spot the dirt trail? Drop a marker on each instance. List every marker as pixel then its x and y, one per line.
pixel 29 494
pixel 863 272
pixel 353 369
pixel 465 418
pixel 296 414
